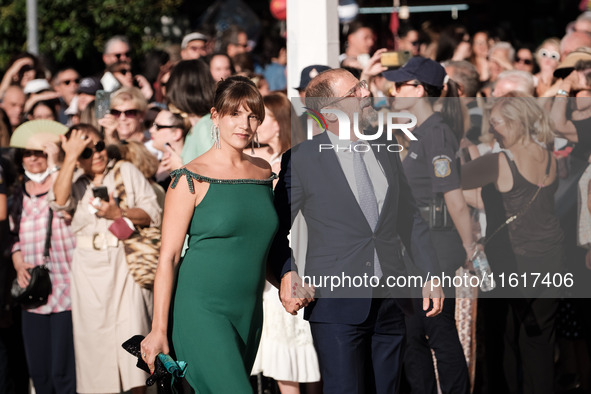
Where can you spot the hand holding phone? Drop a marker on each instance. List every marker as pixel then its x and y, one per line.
pixel 101 192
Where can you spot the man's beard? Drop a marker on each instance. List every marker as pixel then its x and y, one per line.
pixel 369 116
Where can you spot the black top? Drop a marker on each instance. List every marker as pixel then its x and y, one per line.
pixel 582 149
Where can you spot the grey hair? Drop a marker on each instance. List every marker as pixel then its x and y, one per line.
pixel 465 74
pixel 503 45
pixel 523 79
pixel 113 40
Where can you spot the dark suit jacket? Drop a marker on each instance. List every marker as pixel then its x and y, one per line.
pixel 340 240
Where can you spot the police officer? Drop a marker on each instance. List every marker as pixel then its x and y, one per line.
pixel 432 168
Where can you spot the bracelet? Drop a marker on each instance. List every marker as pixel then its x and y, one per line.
pixel 562 92
pixel 54 170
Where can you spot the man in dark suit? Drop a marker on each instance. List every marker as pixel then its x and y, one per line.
pixel 358 216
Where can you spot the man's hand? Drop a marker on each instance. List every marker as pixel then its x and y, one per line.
pixel 433 293
pixel 294 294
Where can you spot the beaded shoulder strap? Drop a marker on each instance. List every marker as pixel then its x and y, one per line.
pixel 177 174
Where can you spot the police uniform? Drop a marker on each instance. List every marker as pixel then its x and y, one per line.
pixel 432 169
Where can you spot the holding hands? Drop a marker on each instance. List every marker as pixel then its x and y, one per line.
pixel 294 293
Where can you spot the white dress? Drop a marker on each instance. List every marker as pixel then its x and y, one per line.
pixel 286 351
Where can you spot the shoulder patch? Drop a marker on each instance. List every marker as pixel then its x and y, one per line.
pixel 441 166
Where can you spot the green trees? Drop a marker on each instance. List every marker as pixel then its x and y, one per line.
pixel 76 30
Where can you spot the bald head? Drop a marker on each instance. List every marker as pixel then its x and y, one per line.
pixel 13 103
pixel 574 40
pixel 322 87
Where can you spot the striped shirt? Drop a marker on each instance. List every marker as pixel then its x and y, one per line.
pixel 30 224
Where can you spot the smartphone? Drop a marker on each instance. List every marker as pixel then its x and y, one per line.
pixel 102 103
pixel 395 58
pixel 101 192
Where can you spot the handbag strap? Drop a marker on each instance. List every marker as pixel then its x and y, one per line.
pixel 484 240
pixel 48 237
pixel 119 186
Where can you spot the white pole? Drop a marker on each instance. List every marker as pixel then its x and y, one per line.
pixel 312 37
pixel 32 39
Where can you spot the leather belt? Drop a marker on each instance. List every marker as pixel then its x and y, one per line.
pixel 97 241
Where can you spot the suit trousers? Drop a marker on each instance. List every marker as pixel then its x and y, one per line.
pixel 440 334
pixel 362 358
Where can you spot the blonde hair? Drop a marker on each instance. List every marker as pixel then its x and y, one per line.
pixel 137 154
pixel 525 115
pixel 129 94
pixel 548 41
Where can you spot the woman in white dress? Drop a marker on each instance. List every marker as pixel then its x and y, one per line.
pixel 286 352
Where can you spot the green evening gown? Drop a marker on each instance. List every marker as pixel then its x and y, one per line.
pixel 217 307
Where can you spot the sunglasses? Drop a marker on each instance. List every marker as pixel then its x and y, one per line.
pixel 551 54
pixel 67 82
pixel 30 152
pixel 528 62
pixel 130 113
pixel 119 55
pixel 88 152
pixel 123 71
pixel 398 86
pixel 159 127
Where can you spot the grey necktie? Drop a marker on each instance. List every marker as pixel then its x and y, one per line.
pixel 367 197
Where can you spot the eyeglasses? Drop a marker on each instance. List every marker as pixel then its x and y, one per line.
pixel 130 113
pixel 495 123
pixel 240 45
pixel 119 55
pixel 67 82
pixel 88 152
pixel 528 62
pixel 399 86
pixel 551 54
pixel 353 92
pixel 123 71
pixel 159 127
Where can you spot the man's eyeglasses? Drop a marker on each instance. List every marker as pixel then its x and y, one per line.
pixel 67 82
pixel 130 113
pixel 353 92
pixel 119 55
pixel 528 62
pixel 88 152
pixel 551 54
pixel 159 127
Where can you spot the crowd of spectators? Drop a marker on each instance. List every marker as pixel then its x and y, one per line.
pixel 160 120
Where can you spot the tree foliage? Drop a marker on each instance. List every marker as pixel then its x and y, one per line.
pixel 73 29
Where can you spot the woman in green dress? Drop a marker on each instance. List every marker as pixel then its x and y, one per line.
pixel 225 204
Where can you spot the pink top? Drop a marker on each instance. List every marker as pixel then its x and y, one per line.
pixel 32 230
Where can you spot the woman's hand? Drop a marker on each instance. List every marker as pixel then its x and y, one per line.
pixel 22 274
pixel 109 209
pixel 154 343
pixel 144 86
pixel 75 145
pixel 52 151
pixel 110 124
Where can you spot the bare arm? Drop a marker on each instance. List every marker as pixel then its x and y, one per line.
pixel 178 211
pixel 62 188
pixel 460 214
pixel 480 172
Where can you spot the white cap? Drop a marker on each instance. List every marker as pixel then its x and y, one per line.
pixel 192 37
pixel 36 86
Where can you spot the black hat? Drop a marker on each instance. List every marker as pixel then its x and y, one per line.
pixel 90 85
pixel 309 73
pixel 420 68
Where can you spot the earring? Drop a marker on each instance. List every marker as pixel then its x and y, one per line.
pixel 254 139
pixel 215 136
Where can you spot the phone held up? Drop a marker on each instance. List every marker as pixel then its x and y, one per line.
pixel 395 58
